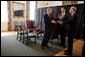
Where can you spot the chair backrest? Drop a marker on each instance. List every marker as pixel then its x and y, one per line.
pixel 19 29
pixel 19 25
pixel 30 24
pixel 23 25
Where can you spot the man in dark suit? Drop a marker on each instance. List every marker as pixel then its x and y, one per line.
pixel 63 16
pixel 72 23
pixel 48 20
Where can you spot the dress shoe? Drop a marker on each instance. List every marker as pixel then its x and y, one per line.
pixel 66 53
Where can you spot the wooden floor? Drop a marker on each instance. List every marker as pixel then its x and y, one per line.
pixel 77 49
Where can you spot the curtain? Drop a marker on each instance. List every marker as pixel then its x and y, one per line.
pixel 39 21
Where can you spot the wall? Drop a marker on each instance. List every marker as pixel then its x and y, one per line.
pixel 14 19
pixel 4 16
pixel 56 5
pixel 32 10
pixel 41 4
pixel 80 2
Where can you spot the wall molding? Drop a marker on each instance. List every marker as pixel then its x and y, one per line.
pixel 43 4
pixel 69 2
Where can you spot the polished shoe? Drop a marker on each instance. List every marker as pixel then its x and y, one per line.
pixel 66 53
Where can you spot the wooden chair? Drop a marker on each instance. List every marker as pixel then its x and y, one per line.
pixel 29 37
pixel 20 32
pixel 30 29
pixel 23 33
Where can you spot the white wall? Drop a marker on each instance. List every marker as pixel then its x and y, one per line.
pixel 32 10
pixel 14 19
pixel 41 4
pixel 4 16
pixel 80 2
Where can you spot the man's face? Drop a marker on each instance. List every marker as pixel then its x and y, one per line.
pixel 71 11
pixel 49 11
pixel 62 10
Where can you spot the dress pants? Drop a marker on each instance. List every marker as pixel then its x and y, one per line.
pixel 70 42
pixel 62 36
pixel 46 38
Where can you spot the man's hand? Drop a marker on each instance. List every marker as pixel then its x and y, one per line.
pixel 60 22
pixel 53 21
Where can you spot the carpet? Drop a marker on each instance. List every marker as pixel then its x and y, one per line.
pixel 12 47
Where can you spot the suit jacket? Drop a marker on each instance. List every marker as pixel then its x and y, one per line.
pixel 72 23
pixel 47 21
pixel 64 20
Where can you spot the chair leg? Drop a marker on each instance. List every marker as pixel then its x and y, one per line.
pixel 37 36
pixel 27 40
pixel 20 37
pixel 23 38
pixel 35 40
pixel 17 37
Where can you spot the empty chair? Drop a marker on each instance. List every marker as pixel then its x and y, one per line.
pixel 30 29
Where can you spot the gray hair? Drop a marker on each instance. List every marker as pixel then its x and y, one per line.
pixel 74 8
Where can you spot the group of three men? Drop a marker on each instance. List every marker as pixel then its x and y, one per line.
pixel 66 23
